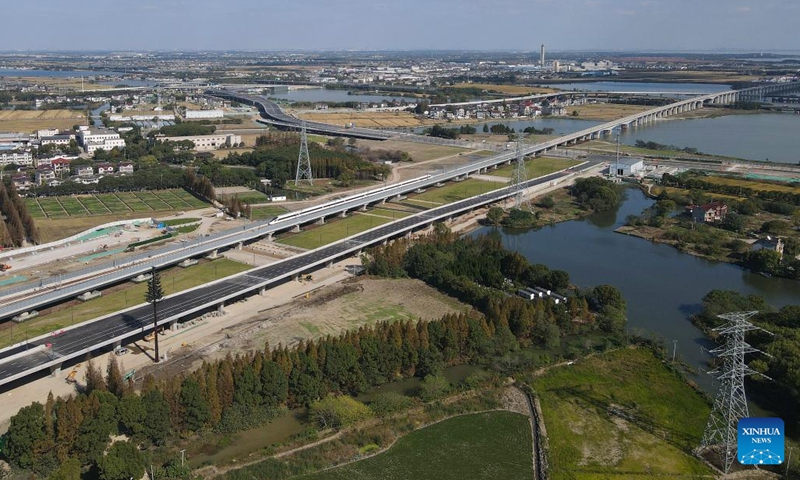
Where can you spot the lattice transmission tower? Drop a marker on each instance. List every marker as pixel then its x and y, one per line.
pixel 519 177
pixel 730 403
pixel 304 160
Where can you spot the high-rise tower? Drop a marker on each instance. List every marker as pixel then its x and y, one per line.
pixel 541 56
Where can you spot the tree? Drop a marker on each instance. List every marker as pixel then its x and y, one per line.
pixel 94 378
pixel 547 202
pixel 122 462
pixel 195 408
pixel 114 381
pixel 485 128
pixel 26 430
pixel 494 215
pixel 274 384
pixel 156 425
pixel 155 292
pixel 132 413
pixel 70 469
pixel 433 387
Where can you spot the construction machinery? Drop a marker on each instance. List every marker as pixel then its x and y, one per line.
pixel 71 377
pixel 4 267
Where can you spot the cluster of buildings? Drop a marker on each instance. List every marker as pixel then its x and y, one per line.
pixel 55 171
pixel 509 109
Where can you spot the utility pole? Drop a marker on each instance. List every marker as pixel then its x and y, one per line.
pixel 154 295
pixel 674 349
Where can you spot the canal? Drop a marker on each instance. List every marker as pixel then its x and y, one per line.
pixel 662 286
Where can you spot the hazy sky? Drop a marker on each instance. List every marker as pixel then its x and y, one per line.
pixel 758 25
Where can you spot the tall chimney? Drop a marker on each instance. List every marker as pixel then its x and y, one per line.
pixel 541 56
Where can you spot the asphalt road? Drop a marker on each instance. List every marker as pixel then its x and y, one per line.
pixel 96 334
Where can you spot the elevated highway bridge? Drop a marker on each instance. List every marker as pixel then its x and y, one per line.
pixel 17 300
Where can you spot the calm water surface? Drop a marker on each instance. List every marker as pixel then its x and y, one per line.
pixel 662 286
pixel 762 136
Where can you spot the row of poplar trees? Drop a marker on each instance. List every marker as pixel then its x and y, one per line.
pixel 18 225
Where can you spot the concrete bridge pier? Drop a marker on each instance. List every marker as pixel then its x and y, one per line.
pixel 221 308
pixel 363 208
pixel 269 237
pixel 239 246
pixel 55 369
pixel 320 221
pixel 296 229
pixel 262 291
pixel 214 254
pixel 173 326
pixel 343 214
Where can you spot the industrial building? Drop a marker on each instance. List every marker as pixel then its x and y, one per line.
pixel 626 166
pixel 203 114
pixel 204 143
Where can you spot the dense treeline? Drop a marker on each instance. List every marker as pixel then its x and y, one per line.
pixel 689 180
pixel 783 363
pixel 660 146
pixel 595 193
pixel 279 162
pixel 200 185
pixel 18 225
pixel 250 389
pixel 482 273
pixel 443 132
pixel 186 129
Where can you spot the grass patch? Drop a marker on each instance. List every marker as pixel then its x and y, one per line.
pixel 621 414
pixel 755 185
pixel 179 221
pixel 335 230
pixel 455 191
pixel 495 445
pixel 118 298
pixel 536 167
pixel 248 197
pixel 389 213
pixel 262 213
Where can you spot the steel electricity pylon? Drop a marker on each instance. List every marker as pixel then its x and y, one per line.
pixel 519 177
pixel 730 403
pixel 304 160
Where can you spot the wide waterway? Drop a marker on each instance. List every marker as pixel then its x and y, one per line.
pixel 662 286
pixel 762 136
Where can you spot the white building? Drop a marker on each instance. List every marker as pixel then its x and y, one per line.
pixel 204 143
pixel 18 158
pixel 48 132
pixel 56 139
pixel 92 139
pixel 626 166
pixel 203 114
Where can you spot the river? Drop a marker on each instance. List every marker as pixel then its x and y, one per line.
pixel 662 286
pixel 762 136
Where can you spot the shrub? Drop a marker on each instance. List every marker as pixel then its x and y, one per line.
pixel 337 412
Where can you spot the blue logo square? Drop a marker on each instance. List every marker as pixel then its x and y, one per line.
pixel 760 441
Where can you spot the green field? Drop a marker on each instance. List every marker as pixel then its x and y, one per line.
pixel 252 197
pixel 536 167
pixel 495 445
pixel 621 414
pixel 262 213
pixel 453 192
pixel 173 280
pixel 336 229
pixel 77 206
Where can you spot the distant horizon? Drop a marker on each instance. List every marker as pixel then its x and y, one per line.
pixel 773 52
pixel 705 26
